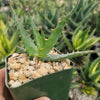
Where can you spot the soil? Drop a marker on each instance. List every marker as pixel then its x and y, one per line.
pixel 22 69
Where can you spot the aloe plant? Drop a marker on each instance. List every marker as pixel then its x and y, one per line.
pixel 42 47
pixel 90 75
pixel 81 40
pixel 82 14
pixel 49 20
pixel 7 46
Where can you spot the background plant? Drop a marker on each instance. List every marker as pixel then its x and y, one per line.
pixel 81 16
pixel 90 76
pixel 7 46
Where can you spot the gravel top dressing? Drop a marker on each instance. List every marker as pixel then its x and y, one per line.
pixel 22 69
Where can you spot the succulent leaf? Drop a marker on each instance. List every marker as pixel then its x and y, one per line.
pixel 39 40
pixel 65 56
pixel 86 70
pixel 97 85
pixel 29 45
pixel 67 41
pixel 47 21
pixel 93 65
pixel 95 76
pixel 14 40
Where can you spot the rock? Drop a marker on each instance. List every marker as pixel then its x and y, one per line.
pixel 14 66
pixel 15 55
pixel 15 84
pixel 35 75
pixel 76 94
pixel 57 68
pixel 31 63
pixel 51 71
pixel 42 71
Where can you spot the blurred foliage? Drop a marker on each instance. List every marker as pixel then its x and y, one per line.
pixel 90 76
pixel 7 46
pixel 95 22
pixel 81 16
pixel 81 40
pixel 49 20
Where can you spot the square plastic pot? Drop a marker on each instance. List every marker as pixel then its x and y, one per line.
pixel 56 86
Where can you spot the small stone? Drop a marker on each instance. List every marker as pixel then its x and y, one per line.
pixel 15 84
pixel 51 71
pixel 57 64
pixel 26 63
pixel 63 64
pixel 54 64
pixel 68 61
pixel 15 55
pixel 45 65
pixel 15 66
pixel 66 67
pixel 32 63
pixel 11 82
pixel 22 60
pixel 11 77
pixel 26 80
pixel 57 68
pixel 22 76
pixel 35 75
pixel 42 71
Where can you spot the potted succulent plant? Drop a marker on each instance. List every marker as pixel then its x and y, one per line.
pixel 55 85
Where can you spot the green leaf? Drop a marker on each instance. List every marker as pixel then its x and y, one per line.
pixel 66 40
pixel 86 70
pixel 97 85
pixel 50 15
pixel 94 76
pixel 85 19
pixel 93 65
pixel 55 17
pixel 38 39
pixel 73 23
pixel 12 51
pixel 46 20
pixel 2 25
pixel 83 76
pixel 75 33
pixel 88 43
pixel 28 42
pixel 77 38
pixel 92 33
pixel 2 49
pixel 79 5
pixel 54 36
pixel 14 40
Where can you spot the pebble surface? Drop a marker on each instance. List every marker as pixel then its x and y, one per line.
pixel 22 69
